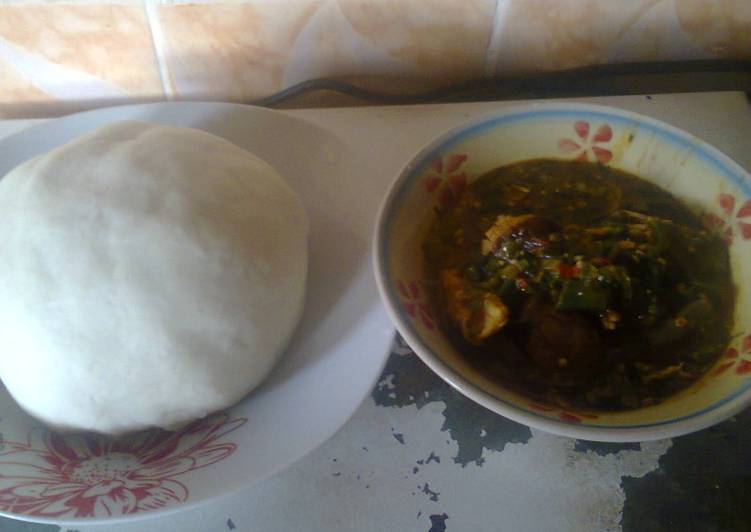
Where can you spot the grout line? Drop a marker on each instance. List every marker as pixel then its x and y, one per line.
pixel 157 39
pixel 13 3
pixel 492 52
pixel 188 2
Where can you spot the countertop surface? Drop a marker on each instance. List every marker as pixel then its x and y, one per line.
pixel 419 456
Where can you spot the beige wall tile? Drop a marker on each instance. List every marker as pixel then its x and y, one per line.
pixel 438 38
pixel 656 36
pixel 246 50
pixel 93 52
pixel 14 88
pixel 395 46
pixel 722 27
pixel 230 51
pixel 73 52
pixel 557 34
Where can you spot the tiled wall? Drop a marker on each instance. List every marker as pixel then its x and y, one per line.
pixel 62 56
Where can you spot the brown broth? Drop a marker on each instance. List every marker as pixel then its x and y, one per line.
pixel 616 295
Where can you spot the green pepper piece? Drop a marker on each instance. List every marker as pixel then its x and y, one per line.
pixel 687 320
pixel 662 237
pixel 579 296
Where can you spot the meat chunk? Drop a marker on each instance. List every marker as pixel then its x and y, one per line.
pixel 531 230
pixel 564 342
pixel 478 314
pixel 500 231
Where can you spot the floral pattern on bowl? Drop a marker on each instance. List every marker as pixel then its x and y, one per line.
pixel 730 222
pixel 701 176
pixel 443 180
pixel 588 147
pixel 738 356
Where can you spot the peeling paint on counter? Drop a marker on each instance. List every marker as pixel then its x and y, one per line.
pixel 420 457
pixel 407 381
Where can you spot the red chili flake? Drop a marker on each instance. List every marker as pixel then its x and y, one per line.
pixel 522 283
pixel 568 272
pixel 601 261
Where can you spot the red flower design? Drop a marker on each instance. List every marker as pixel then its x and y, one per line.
pixel 724 224
pixel 85 475
pixel 412 301
pixel 740 358
pixel 444 180
pixel 564 415
pixel 587 144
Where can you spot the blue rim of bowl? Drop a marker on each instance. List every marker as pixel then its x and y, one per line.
pixel 417 165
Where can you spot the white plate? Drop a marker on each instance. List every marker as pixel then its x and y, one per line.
pixel 332 363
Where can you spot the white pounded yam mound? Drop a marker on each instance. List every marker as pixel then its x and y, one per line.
pixel 149 275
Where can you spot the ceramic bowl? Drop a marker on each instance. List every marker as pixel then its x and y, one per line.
pixel 677 161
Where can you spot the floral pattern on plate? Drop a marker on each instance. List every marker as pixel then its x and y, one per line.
pixel 86 475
